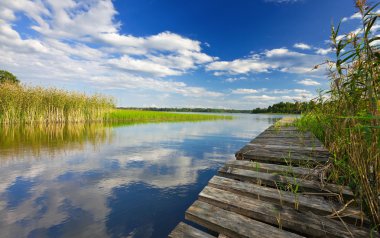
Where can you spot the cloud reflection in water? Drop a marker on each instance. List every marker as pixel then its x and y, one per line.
pixel 132 181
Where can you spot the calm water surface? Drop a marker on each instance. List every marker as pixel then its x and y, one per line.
pixel 124 181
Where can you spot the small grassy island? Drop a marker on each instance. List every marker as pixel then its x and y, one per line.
pixel 120 115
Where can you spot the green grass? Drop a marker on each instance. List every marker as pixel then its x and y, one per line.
pixel 121 115
pixel 346 119
pixel 21 104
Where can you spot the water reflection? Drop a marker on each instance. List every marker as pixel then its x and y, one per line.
pixel 99 181
pixel 20 141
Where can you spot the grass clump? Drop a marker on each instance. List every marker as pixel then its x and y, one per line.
pixel 346 117
pixel 27 104
pixel 122 115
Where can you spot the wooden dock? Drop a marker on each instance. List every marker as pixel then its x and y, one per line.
pixel 275 188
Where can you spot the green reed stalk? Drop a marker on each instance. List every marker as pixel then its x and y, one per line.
pixel 25 104
pixel 347 118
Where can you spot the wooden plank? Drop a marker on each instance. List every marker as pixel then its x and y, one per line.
pixel 282 128
pixel 280 157
pixel 230 223
pixel 223 236
pixel 317 205
pixel 287 134
pixel 304 223
pixel 294 147
pixel 284 151
pixel 289 152
pixel 288 141
pixel 274 168
pixel 273 180
pixel 183 230
pixel 282 154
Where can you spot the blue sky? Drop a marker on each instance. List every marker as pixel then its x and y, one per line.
pixel 238 54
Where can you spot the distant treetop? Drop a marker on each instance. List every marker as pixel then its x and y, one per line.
pixel 287 107
pixel 7 77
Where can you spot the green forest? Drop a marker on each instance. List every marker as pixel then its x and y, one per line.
pixel 287 108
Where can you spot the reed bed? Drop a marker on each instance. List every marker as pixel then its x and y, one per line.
pixel 27 104
pixel 347 116
pixel 122 115
pixel 20 104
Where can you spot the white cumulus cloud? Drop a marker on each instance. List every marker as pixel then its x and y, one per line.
pixel 302 46
pixel 246 91
pixel 80 41
pixel 281 59
pixel 308 82
pixel 357 15
pixel 322 51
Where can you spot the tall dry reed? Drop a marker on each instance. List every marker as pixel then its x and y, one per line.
pixel 347 116
pixel 26 104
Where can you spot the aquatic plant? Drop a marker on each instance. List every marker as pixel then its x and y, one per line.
pixel 347 116
pixel 27 104
pixel 122 115
pixel 20 104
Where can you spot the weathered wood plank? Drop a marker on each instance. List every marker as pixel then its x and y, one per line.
pixel 223 236
pixel 274 168
pixel 316 204
pixel 280 157
pixel 268 135
pixel 287 134
pixel 295 147
pixel 183 230
pixel 288 141
pixel 230 223
pixel 304 223
pixel 284 151
pixel 282 128
pixel 299 137
pixel 273 180
pixel 283 154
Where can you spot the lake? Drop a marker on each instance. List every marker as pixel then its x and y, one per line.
pixel 111 181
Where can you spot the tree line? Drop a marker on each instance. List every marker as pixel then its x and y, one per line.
pixel 184 109
pixel 287 107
